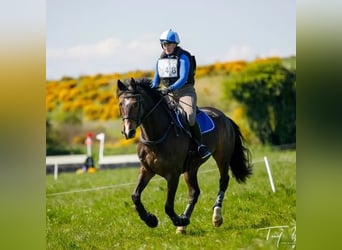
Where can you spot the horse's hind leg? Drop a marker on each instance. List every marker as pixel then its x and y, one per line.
pixel 217 219
pixel 143 179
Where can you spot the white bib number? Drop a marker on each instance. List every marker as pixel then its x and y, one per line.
pixel 167 68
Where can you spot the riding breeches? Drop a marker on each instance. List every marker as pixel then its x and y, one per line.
pixel 187 99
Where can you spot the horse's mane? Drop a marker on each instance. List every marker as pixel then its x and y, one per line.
pixel 145 84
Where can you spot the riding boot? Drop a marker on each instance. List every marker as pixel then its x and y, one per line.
pixel 203 150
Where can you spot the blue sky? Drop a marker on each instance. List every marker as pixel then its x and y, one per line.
pixel 87 37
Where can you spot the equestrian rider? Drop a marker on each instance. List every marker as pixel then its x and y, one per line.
pixel 175 70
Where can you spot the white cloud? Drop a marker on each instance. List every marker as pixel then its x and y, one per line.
pixel 108 55
pixel 273 53
pixel 239 52
pixel 104 48
pixel 245 52
pixel 108 47
pixel 116 55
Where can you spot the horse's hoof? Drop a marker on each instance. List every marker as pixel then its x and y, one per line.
pixel 181 221
pixel 181 230
pixel 184 221
pixel 151 220
pixel 217 217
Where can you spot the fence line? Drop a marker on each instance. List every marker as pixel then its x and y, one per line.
pixel 158 178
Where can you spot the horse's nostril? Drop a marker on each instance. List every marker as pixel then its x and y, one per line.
pixel 131 134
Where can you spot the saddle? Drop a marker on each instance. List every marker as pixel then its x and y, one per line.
pixel 178 115
pixel 205 122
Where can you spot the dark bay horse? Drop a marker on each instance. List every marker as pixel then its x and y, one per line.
pixel 166 150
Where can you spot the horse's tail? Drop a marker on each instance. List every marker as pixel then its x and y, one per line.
pixel 240 163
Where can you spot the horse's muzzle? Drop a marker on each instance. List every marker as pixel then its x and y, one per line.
pixel 130 134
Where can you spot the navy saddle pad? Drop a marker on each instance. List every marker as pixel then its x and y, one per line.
pixel 205 122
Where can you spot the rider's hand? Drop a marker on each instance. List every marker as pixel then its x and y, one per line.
pixel 165 91
pixel 152 86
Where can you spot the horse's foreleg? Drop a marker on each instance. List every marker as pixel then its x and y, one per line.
pixel 217 216
pixel 194 192
pixel 172 184
pixel 143 179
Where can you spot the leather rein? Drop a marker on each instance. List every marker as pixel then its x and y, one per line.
pixel 140 119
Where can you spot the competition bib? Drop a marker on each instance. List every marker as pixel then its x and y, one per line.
pixel 167 68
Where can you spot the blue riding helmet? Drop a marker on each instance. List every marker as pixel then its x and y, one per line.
pixel 169 36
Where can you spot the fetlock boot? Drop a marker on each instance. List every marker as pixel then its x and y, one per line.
pixel 202 149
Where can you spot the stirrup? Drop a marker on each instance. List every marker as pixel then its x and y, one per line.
pixel 203 151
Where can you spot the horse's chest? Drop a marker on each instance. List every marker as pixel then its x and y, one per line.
pixel 159 163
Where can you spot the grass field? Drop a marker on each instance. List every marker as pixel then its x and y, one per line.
pixel 94 210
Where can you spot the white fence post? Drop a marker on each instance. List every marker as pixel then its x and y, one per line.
pixel 55 172
pixel 269 174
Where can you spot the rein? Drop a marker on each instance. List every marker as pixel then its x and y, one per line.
pixel 163 137
pixel 155 142
pixel 140 120
pixel 150 112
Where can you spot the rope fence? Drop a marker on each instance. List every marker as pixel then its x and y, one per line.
pixel 158 178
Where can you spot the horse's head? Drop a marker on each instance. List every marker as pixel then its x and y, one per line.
pixel 136 102
pixel 130 107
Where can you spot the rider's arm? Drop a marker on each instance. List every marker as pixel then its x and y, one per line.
pixel 156 78
pixel 183 72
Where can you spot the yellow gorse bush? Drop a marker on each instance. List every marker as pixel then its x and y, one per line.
pixel 94 96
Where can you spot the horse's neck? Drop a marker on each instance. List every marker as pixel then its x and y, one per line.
pixel 155 125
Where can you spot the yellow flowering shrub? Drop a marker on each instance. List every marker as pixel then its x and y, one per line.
pixel 95 95
pixel 240 118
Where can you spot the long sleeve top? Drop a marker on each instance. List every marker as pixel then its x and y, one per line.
pixel 184 66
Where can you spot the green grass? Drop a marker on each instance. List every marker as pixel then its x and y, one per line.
pixel 95 211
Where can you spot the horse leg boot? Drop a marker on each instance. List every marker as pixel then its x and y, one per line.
pixel 203 150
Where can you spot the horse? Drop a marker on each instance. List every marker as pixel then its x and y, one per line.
pixel 167 149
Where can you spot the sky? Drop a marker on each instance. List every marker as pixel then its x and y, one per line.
pixel 88 37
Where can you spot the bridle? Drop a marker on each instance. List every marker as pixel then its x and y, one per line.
pixel 139 120
pixel 139 101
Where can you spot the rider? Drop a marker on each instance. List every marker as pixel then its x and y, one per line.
pixel 173 68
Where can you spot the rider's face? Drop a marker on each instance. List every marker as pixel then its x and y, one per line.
pixel 168 47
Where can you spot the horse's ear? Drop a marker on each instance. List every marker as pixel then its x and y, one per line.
pixel 121 86
pixel 133 83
